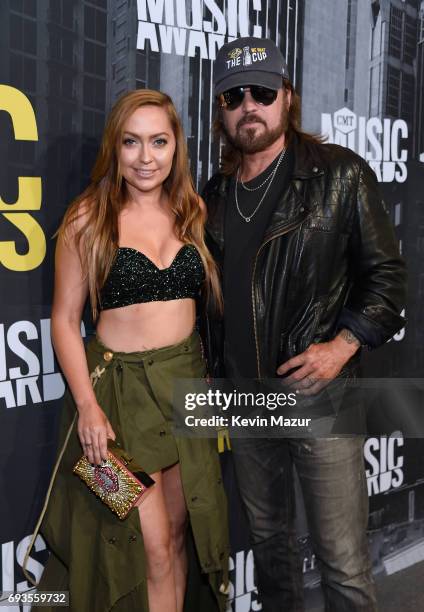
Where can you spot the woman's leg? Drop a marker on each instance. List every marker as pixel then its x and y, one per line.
pixel 156 528
pixel 177 513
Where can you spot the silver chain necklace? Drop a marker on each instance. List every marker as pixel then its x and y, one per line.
pixel 259 186
pixel 270 178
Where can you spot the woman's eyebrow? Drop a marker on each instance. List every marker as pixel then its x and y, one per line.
pixel 151 135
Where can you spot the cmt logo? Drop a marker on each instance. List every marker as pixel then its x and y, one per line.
pixel 36 381
pixel 21 113
pixel 243 595
pixel 378 142
pixel 12 558
pixel 385 463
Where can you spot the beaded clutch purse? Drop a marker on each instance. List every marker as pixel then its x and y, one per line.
pixel 118 481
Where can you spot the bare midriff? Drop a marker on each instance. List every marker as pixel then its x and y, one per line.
pixel 146 326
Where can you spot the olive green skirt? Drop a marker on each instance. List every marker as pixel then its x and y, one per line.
pixel 138 389
pixel 99 558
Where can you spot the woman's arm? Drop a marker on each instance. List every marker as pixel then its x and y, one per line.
pixel 70 294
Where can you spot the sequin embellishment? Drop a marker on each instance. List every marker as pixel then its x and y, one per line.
pixel 134 278
pixel 106 479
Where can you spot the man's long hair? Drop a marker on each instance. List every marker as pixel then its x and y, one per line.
pixel 231 155
pixel 97 209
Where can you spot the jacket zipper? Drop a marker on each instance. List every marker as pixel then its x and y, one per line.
pixel 287 229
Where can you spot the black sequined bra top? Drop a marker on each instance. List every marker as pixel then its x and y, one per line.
pixel 134 278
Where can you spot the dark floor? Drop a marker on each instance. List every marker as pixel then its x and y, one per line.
pixel 400 592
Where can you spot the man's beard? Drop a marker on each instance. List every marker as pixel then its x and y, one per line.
pixel 246 141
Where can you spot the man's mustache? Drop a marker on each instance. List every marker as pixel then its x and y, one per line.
pixel 249 119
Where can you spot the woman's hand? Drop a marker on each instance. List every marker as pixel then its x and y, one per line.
pixel 94 429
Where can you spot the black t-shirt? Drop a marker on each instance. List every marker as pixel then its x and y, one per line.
pixel 242 241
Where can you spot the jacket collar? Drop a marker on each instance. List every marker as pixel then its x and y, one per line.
pixel 308 162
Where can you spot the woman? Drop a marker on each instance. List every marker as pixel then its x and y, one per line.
pixel 133 242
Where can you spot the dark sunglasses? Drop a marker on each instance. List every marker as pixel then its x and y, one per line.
pixel 232 98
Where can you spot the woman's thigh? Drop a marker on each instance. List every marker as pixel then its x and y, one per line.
pixel 174 498
pixel 163 513
pixel 154 518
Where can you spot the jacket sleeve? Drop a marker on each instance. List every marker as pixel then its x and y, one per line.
pixel 378 292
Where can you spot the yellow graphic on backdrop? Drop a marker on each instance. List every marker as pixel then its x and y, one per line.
pixel 17 105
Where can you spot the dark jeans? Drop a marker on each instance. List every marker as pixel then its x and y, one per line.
pixel 332 477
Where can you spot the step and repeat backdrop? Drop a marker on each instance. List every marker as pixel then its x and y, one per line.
pixel 359 67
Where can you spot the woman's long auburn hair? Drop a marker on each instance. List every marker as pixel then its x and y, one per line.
pixel 98 207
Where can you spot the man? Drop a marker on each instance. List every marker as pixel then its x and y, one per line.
pixel 311 272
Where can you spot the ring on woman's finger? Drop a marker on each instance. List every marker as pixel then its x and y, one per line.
pixel 87 444
pixel 311 381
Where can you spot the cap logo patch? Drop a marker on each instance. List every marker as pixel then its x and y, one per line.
pixel 245 57
pixel 235 53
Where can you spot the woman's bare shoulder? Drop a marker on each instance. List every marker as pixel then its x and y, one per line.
pixel 202 204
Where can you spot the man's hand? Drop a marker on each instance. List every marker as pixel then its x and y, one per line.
pixel 320 363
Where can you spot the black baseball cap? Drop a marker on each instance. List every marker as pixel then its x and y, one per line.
pixel 249 61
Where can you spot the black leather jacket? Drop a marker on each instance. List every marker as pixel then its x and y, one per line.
pixel 329 259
